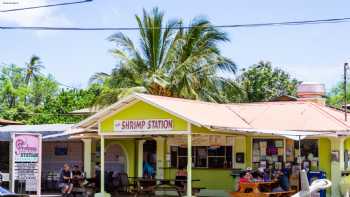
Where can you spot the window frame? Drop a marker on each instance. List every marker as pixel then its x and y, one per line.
pixel 194 157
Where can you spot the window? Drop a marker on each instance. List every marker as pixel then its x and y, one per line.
pixel 202 157
pixel 4 156
pixel 309 153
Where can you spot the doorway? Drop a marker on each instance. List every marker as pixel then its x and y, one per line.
pixel 149 158
pixel 115 159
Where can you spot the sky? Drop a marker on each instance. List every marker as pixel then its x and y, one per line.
pixel 309 53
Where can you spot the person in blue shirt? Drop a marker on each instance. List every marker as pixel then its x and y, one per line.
pixel 148 169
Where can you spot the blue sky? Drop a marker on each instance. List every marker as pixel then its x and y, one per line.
pixel 309 53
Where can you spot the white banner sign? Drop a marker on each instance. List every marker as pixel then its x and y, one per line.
pixel 26 161
pixel 143 125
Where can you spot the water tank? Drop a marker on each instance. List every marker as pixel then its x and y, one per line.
pixel 311 90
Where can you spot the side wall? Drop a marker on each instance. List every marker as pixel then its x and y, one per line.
pixel 54 163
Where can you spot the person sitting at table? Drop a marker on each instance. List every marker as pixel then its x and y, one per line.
pixel 65 180
pixel 283 181
pixel 181 177
pixel 259 175
pixel 246 177
pixel 97 178
pixel 78 177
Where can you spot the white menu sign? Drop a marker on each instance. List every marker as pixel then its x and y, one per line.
pixel 143 125
pixel 26 161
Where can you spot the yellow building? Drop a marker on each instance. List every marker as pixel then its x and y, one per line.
pixel 213 138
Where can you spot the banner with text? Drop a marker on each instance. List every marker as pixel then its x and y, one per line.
pixel 26 161
pixel 143 125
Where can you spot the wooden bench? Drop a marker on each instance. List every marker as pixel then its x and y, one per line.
pixel 258 189
pixel 263 194
pixel 279 194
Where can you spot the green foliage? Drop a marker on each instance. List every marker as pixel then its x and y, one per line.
pixel 28 96
pixel 263 83
pixel 336 96
pixel 170 61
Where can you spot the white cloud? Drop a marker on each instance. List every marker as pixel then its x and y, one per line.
pixel 38 17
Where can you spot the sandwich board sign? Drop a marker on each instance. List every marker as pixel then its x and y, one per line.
pixel 26 149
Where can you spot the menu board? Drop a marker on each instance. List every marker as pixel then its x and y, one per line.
pixel 267 153
pixel 26 161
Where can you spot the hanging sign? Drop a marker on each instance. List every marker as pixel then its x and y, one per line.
pixel 143 125
pixel 26 161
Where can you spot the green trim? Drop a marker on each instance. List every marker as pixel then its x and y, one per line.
pixel 248 155
pixel 209 178
pixel 324 148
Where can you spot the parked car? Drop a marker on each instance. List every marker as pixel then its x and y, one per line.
pixel 5 192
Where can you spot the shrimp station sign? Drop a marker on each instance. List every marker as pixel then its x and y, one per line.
pixel 26 163
pixel 144 125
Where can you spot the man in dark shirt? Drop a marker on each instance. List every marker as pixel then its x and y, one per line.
pixel 77 176
pixel 66 180
pixel 282 178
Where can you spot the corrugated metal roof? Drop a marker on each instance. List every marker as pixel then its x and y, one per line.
pixel 44 129
pixel 274 116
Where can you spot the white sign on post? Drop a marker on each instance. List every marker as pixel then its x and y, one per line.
pixel 26 161
pixel 143 125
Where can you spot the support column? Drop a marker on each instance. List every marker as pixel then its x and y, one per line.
pixel 87 157
pixel 337 144
pixel 160 157
pixel 140 158
pixel 102 193
pixel 240 147
pixel 189 165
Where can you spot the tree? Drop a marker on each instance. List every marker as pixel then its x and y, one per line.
pixel 335 97
pixel 56 109
pixel 171 60
pixel 197 61
pixel 33 69
pixel 261 82
pixel 30 97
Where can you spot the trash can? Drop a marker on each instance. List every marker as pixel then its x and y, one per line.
pixel 313 175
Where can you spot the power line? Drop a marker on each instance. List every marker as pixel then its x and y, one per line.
pixel 249 25
pixel 46 6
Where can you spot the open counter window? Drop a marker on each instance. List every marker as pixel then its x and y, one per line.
pixel 309 153
pixel 202 156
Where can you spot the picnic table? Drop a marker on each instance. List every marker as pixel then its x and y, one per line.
pixel 150 186
pixel 259 189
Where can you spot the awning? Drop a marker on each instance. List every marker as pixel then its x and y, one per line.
pixel 294 135
pixel 44 129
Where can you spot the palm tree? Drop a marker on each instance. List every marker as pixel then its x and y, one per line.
pixel 170 61
pixel 33 69
pixel 194 73
pixel 145 66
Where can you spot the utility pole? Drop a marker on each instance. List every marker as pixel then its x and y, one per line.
pixel 346 67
